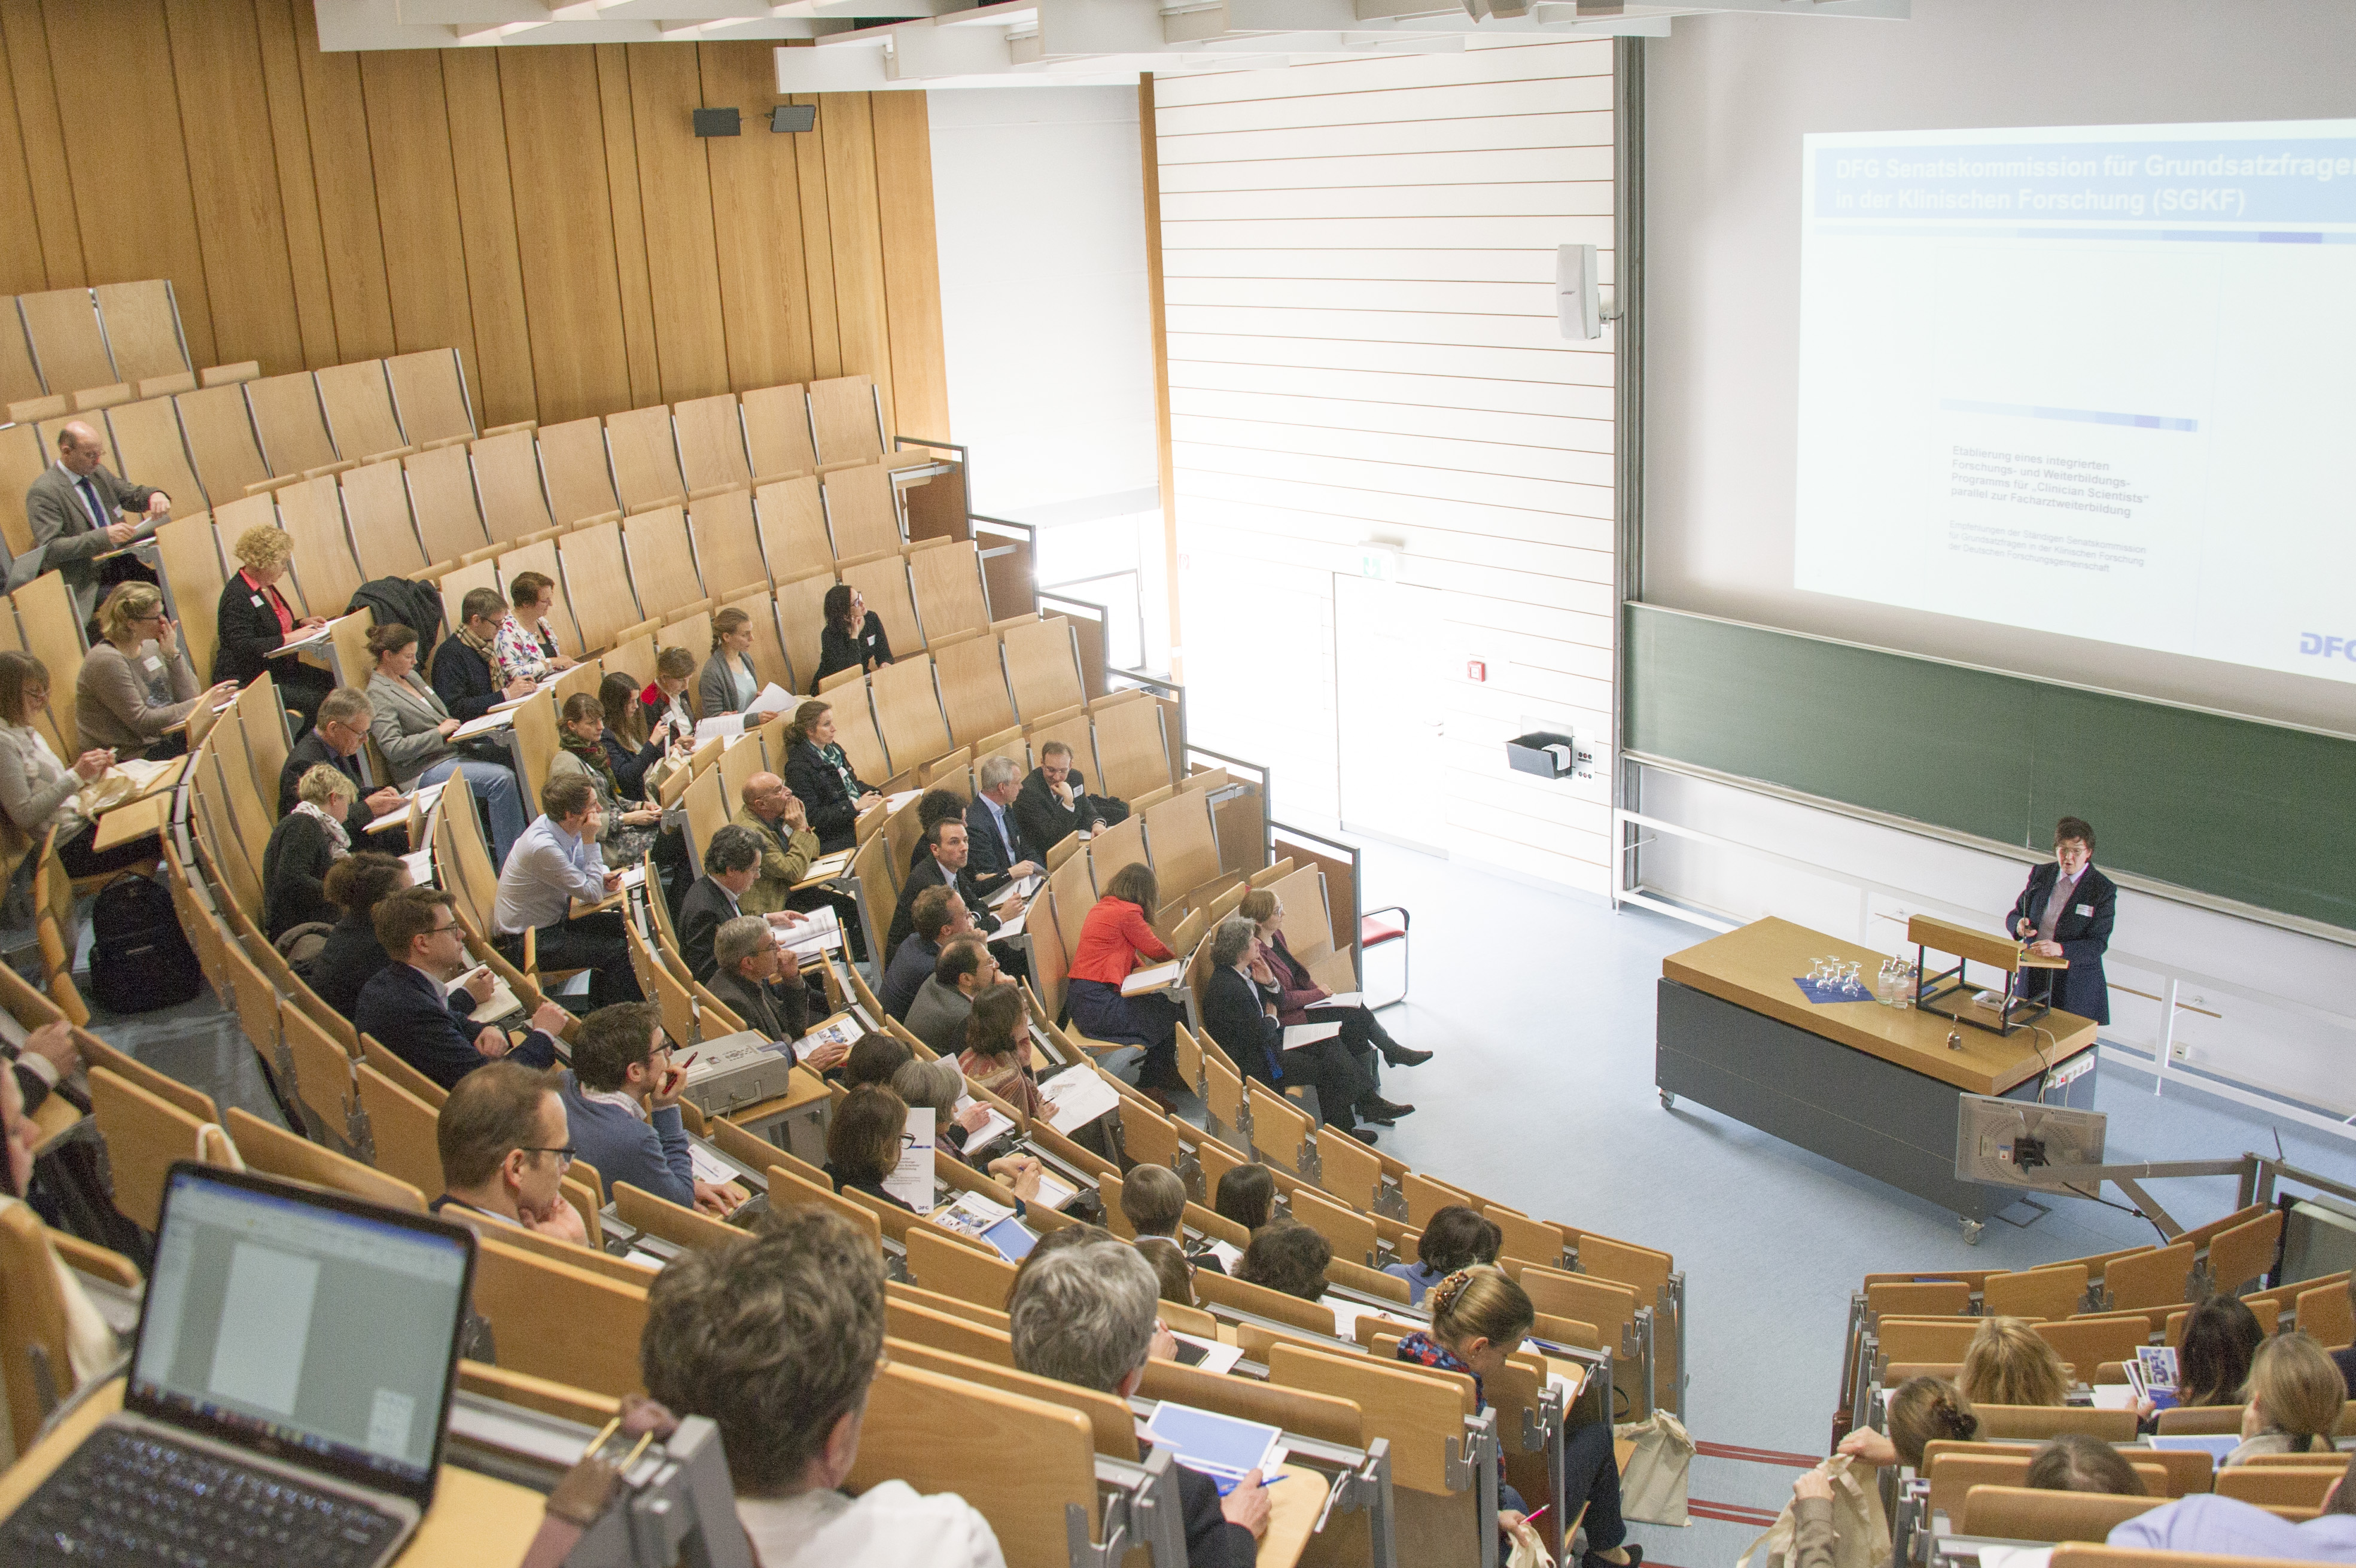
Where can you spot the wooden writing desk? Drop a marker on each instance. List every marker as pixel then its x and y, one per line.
pixel 1873 1087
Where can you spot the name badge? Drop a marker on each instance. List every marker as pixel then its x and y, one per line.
pixel 2087 910
pixel 257 601
pixel 153 662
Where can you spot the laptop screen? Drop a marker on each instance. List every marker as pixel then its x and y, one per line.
pixel 313 1327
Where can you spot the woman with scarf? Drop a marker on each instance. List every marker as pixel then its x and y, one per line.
pixel 630 749
pixel 630 825
pixel 818 772
pixel 997 1052
pixel 304 846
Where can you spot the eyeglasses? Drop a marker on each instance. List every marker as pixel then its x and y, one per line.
pixel 564 1157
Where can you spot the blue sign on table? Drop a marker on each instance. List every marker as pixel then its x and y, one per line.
pixel 1825 993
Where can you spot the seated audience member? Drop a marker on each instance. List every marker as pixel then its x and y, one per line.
pixel 254 621
pixel 74 510
pixel 632 748
pixel 775 1339
pixel 411 1010
pixel 2294 1399
pixel 1084 1314
pixel 854 638
pixel 998 853
pixel 48 1057
pixel 337 731
pixel 862 1141
pixel 757 980
pixel 505 1148
pixel 965 970
pixel 937 915
pixel 2074 1462
pixel 940 863
pixel 525 645
pixel 1170 1267
pixel 1288 1256
pixel 1246 1194
pixel 664 701
pixel 1920 1411
pixel 874 1057
pixel 631 823
pixel 622 1097
pixel 1053 802
pixel 2345 1359
pixel 938 1086
pixel 1362 1030
pixel 732 862
pixel 2007 1363
pixel 554 864
pixel 135 684
pixel 997 1052
pixel 355 884
pixel 821 777
pixel 304 847
pixel 2212 1360
pixel 1240 1013
pixel 729 684
pixel 412 729
pixel 1455 1239
pixel 773 815
pixel 466 663
pixel 934 805
pixel 1117 938
pixel 1479 1317
pixel 1153 1201
pixel 89 1347
pixel 38 793
pixel 2228 1527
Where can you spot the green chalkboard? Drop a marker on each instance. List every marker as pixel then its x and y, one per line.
pixel 2260 814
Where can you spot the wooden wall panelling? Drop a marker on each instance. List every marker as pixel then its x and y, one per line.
pixel 818 247
pixel 912 273
pixel 759 204
pixel 675 196
pixel 499 378
pixel 298 196
pixel 417 192
pixel 337 114
pixel 630 245
pixel 858 239
pixel 556 133
pixel 36 94
pixel 217 65
pixel 21 269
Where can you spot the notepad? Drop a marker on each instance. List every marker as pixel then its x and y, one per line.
pixel 502 1005
pixel 990 1131
pixel 1079 1095
pixel 397 815
pixel 1153 978
pixel 420 864
pixel 293 644
pixel 1217 1445
pixel 484 726
pixel 1343 999
pixel 1010 927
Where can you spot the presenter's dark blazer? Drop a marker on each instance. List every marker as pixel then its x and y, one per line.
pixel 2083 930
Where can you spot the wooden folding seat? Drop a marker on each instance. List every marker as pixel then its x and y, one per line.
pixel 508 478
pixel 856 731
pixel 710 444
pixel 646 459
pixel 862 514
pixel 20 379
pixel 323 1086
pixel 325 572
pixel 1118 845
pixel 2322 1313
pixel 844 420
pixel 165 386
pixel 36 1336
pixel 144 1132
pixel 1349 1233
pixel 272 1151
pixel 2091 1342
pixel 1922 1298
pixel 768 654
pixel 661 561
pixel 791 518
pixel 1926 1339
pixel 91 399
pixel 442 498
pixel 777 433
pixel 2283 1486
pixel 2049 1292
pixel 1953 1473
pixel 25 452
pixel 62 327
pixel 2040 1422
pixel 2022 1513
pixel 292 422
pixel 1131 749
pixel 2158 1278
pixel 2241 1255
pixel 51 624
pixel 1043 668
pixel 429 395
pixel 376 509
pixel 573 461
pixel 358 404
pixel 1610 1308
pixel 524 1293
pixel 229 375
pixel 801 615
pixel 28 410
pixel 951 595
pixel 1421 1414
pixel 1185 847
pixel 728 542
pixel 908 711
pixel 149 449
pixel 142 328
pixel 939 1265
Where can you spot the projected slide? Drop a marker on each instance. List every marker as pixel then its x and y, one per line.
pixel 2094 381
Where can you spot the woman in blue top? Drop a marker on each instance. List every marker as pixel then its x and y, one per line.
pixel 1456 1239
pixel 1478 1318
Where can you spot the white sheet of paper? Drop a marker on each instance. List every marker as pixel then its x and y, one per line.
pixel 1299 1035
pixel 893 803
pixel 1343 999
pixel 634 875
pixel 1027 886
pixel 1152 978
pixel 484 726
pixel 771 701
pixel 502 1003
pixel 142 772
pixel 719 727
pixel 421 868
pixel 998 1126
pixel 1010 927
pixel 707 1166
pixel 834 864
pixel 1217 1358
pixel 1079 1095
pixel 912 1183
pixel 2114 1396
pixel 1230 1256
pixel 1053 1193
pixel 295 644
pixel 1347 1315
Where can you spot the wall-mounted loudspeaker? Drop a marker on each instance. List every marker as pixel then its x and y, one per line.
pixel 719 122
pixel 1582 305
pixel 794 117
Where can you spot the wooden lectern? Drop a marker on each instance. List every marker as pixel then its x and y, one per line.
pixel 1943 993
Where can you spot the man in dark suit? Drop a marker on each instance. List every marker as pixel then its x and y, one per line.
pixel 334 738
pixel 731 863
pixel 942 865
pixel 2066 911
pixel 939 914
pixel 758 980
pixel 997 852
pixel 407 1007
pixel 1054 802
pixel 1240 1014
pixel 464 675
pixel 73 509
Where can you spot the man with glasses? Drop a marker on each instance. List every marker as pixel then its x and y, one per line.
pixel 621 1100
pixel 505 1149
pixel 341 725
pixel 75 509
pixel 779 822
pixel 408 1005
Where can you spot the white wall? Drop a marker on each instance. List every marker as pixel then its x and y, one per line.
pixel 1359 262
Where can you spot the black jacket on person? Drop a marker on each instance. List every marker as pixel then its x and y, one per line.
pixel 833 813
pixel 293 864
pixel 306 754
pixel 1213 1541
pixel 911 966
pixel 249 630
pixel 774 1012
pixel 2085 933
pixel 1047 821
pixel 868 1185
pixel 1233 1012
pixel 465 679
pixel 927 872
pixel 630 767
pixel 348 962
pixel 415 1017
pixel 986 864
pixel 701 913
pixel 839 651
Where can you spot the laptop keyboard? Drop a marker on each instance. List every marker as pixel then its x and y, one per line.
pixel 129 1497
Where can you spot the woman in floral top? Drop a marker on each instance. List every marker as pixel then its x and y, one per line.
pixel 524 644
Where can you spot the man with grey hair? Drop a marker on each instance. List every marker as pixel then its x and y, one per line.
pixel 775 1339
pixel 1083 1311
pixel 337 730
pixel 999 853
pixel 74 508
pixel 752 980
pixel 1239 1003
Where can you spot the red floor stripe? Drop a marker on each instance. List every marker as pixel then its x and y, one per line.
pixel 1735 1513
pixel 1757 1456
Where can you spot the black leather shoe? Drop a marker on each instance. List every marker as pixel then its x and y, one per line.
pixel 1364 1135
pixel 1384 1111
pixel 1405 1056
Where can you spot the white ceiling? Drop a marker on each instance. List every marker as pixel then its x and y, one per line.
pixel 951 43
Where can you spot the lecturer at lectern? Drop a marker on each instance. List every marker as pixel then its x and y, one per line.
pixel 2066 912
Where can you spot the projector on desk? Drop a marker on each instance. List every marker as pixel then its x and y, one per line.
pixel 738 1069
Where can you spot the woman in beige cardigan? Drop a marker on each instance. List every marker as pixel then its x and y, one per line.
pixel 37 790
pixel 412 728
pixel 137 683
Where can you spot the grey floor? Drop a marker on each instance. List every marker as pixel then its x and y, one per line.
pixel 1540 1007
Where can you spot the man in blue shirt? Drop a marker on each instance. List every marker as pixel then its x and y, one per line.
pixel 2227 1527
pixel 621 1100
pixel 554 865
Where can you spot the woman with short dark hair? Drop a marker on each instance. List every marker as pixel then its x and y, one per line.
pixel 1455 1239
pixel 862 1141
pixel 853 637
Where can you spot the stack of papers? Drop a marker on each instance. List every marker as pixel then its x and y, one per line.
pixel 1340 999
pixel 494 720
pixel 1155 977
pixel 545 681
pixel 1076 1097
pixel 1054 1194
pixel 820 931
pixel 893 803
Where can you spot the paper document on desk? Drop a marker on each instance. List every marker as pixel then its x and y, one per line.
pixel 1206 1355
pixel 1230 1256
pixel 707 1165
pixel 826 866
pixel 1053 1193
pixel 1299 1035
pixel 772 701
pixel 1027 886
pixel 397 815
pixel 841 1029
pixel 1010 927
pixel 502 1005
pixel 719 727
pixel 1152 978
pixel 893 803
pixel 989 1132
pixel 1078 1094
pixel 1346 1317
pixel 484 725
pixel 297 643
pixel 420 864
pixel 143 773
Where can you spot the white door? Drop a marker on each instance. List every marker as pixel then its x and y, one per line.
pixel 1387 648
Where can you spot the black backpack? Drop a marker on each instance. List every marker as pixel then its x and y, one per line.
pixel 412 604
pixel 139 958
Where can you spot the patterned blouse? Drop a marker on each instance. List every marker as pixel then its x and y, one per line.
pixel 1425 1351
pixel 520 652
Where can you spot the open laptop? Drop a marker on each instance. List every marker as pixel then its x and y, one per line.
pixel 287 1395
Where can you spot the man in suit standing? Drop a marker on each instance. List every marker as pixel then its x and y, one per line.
pixel 335 734
pixel 997 852
pixel 405 1005
pixel 1054 802
pixel 2066 911
pixel 1240 1014
pixel 72 507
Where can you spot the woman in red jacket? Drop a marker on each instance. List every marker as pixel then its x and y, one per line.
pixel 1115 937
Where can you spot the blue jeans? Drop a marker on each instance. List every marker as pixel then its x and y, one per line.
pixel 497 788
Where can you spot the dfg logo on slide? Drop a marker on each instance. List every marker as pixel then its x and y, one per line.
pixel 2322 647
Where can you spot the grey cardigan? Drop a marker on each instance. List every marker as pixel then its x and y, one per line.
pixel 715 691
pixel 35 789
pixel 116 701
pixel 405 720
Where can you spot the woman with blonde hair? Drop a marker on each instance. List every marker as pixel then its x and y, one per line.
pixel 2293 1401
pixel 135 684
pixel 728 683
pixel 2007 1363
pixel 254 620
pixel 1479 1317
pixel 303 848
